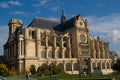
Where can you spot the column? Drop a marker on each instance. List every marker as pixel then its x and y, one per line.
pixel 46 53
pixel 64 64
pixel 54 45
pixel 105 65
pixel 54 40
pixel 69 47
pixel 72 67
pixel 91 67
pixel 101 65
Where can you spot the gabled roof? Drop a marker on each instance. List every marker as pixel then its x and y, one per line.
pixel 54 25
pixel 43 23
pixel 67 24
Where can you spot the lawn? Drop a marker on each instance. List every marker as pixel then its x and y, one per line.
pixel 68 76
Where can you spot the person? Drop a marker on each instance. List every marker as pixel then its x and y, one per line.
pixel 27 76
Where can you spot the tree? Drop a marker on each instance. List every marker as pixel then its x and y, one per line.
pixel 116 66
pixel 3 70
pixel 43 69
pixel 32 69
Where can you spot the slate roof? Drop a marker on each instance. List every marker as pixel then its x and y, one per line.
pixel 54 25
pixel 43 23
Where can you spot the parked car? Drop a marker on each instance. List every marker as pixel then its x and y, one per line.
pixel 2 78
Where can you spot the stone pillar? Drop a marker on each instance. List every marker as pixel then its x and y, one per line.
pixel 54 40
pixel 37 42
pixel 72 67
pixel 105 65
pixel 46 40
pixel 54 45
pixel 91 66
pixel 19 48
pixel 64 64
pixel 46 53
pixel 69 47
pixel 101 65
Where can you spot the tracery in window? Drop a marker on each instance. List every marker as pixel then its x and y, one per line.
pixel 43 54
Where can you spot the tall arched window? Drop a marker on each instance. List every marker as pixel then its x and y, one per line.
pixel 61 66
pixel 59 55
pixel 103 65
pixel 75 65
pixel 65 41
pixel 43 54
pixel 68 67
pixel 50 54
pixel 65 55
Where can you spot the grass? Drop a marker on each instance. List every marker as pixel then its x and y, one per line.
pixel 67 76
pixel 73 76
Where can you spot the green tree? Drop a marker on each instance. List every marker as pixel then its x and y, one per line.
pixel 3 70
pixel 32 69
pixel 116 66
pixel 56 70
pixel 43 69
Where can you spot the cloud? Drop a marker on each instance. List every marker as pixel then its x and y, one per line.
pixel 18 13
pixel 17 3
pixel 107 27
pixel 4 5
pixel 3 36
pixel 43 2
pixel 40 3
pixel 53 18
pixel 9 3
pixel 55 8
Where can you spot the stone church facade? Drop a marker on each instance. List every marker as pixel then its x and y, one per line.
pixel 67 44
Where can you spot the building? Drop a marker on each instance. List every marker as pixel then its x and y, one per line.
pixel 67 44
pixel 1 59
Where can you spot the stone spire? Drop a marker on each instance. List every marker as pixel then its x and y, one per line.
pixel 63 17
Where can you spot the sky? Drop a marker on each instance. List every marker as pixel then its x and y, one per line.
pixel 103 16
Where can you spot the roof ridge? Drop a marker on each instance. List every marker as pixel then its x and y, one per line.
pixel 45 19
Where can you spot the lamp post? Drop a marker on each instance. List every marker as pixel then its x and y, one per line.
pixel 51 71
pixel 80 68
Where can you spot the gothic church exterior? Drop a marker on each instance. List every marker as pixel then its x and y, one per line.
pixel 67 44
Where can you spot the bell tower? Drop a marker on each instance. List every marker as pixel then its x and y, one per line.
pixel 14 25
pixel 82 34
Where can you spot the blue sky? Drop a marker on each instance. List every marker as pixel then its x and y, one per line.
pixel 103 16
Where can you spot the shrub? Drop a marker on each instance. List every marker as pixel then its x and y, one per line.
pixel 45 69
pixel 3 70
pixel 32 69
pixel 12 72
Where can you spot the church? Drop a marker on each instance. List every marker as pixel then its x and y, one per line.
pixel 67 43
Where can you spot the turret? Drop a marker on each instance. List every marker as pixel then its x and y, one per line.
pixel 14 26
pixel 63 17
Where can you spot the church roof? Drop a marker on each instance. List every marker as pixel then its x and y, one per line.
pixel 43 23
pixel 54 25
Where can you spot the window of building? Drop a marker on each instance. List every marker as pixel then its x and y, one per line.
pixel 33 34
pixel 68 67
pixel 65 55
pixel 57 42
pixel 75 65
pixel 43 54
pixel 50 54
pixel 50 41
pixel 60 65
pixel 103 65
pixel 42 39
pixel 65 41
pixel 59 55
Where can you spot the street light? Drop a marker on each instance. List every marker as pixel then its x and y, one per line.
pixel 51 71
pixel 80 68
